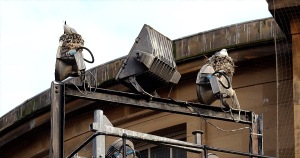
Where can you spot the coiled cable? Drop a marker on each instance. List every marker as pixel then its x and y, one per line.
pixel 89 52
pixel 226 77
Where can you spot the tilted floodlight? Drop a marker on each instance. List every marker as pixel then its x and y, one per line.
pixel 150 63
pixel 214 80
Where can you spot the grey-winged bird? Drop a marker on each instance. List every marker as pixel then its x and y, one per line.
pixel 68 29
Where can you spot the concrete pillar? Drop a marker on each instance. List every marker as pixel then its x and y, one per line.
pixel 295 32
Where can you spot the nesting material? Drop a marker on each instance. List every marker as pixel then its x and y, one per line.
pixel 222 62
pixel 71 41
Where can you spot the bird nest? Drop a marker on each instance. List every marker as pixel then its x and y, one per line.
pixel 71 41
pixel 222 62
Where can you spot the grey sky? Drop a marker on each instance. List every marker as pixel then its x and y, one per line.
pixel 29 33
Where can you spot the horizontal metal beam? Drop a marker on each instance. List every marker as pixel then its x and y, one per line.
pixel 119 132
pixel 162 104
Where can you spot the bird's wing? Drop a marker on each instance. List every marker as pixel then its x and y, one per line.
pixel 69 30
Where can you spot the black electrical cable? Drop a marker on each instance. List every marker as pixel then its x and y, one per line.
pixel 89 52
pixel 223 74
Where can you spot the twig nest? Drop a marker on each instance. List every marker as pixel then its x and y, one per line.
pixel 71 41
pixel 222 62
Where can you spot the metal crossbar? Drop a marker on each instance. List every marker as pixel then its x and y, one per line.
pixel 162 104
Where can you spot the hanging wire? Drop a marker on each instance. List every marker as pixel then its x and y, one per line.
pixel 84 82
pixel 233 101
pixel 230 108
pixel 171 89
pixel 217 127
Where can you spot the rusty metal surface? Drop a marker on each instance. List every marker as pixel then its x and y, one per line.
pixel 161 104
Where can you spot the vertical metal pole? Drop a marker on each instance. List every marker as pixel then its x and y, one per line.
pixel 256 135
pixel 253 137
pixel 124 145
pixel 57 120
pixel 260 134
pixel 205 151
pixel 99 141
pixel 198 137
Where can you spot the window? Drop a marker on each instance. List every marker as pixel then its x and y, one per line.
pixel 159 151
pixel 153 151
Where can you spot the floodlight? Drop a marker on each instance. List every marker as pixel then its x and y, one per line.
pixel 150 63
pixel 69 57
pixel 214 80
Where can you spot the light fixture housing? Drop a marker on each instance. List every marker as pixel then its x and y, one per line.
pixel 150 63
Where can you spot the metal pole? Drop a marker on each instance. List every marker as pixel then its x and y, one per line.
pixel 99 141
pixel 57 120
pixel 124 145
pixel 256 137
pixel 198 137
pixel 260 134
pixel 205 151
